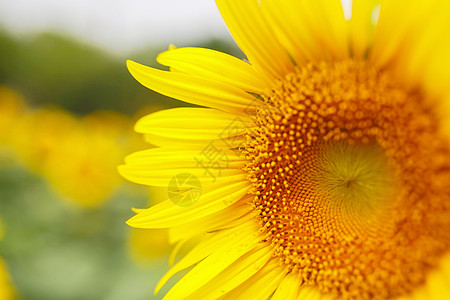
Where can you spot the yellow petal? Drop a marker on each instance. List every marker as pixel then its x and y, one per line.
pixel 170 142
pixel 158 166
pixel 242 242
pixel 208 245
pixel 175 250
pixel 7 291
pixel 424 57
pixel 309 293
pixel 144 174
pixel 361 26
pixel 214 65
pixel 309 30
pixel 181 157
pixel 226 218
pixel 192 89
pixel 237 273
pixel 429 59
pixel 176 125
pixel 254 36
pixel 292 27
pixel 331 27
pixel 445 265
pixel 219 250
pixel 166 214
pixel 389 31
pixel 262 284
pixel 438 286
pixel 413 47
pixel 438 282
pixel 398 22
pixel 288 288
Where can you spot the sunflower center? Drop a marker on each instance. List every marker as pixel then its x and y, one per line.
pixel 350 175
pixel 355 185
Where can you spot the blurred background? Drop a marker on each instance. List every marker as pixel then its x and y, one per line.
pixel 67 110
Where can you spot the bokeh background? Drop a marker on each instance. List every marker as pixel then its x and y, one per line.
pixel 67 110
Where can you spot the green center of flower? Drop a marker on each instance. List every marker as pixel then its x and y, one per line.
pixel 358 187
pixel 350 172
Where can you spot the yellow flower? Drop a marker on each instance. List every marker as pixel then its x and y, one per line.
pixel 6 290
pixel 78 157
pixel 38 134
pixel 321 168
pixel 82 166
pixel 12 107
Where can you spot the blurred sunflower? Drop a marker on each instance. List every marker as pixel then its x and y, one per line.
pixel 37 135
pixel 323 163
pixel 72 152
pixel 7 291
pixel 88 155
pixel 12 107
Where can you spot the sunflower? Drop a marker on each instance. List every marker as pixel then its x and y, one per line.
pixel 7 291
pixel 12 107
pixel 323 162
pixel 58 146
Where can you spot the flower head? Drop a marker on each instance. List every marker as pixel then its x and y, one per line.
pixel 12 107
pixel 324 162
pixel 7 291
pixel 58 145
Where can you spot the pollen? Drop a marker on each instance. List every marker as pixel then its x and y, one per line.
pixel 350 173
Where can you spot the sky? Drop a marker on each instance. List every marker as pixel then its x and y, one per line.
pixel 120 26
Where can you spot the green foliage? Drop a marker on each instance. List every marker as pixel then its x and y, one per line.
pixel 51 69
pixel 55 250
